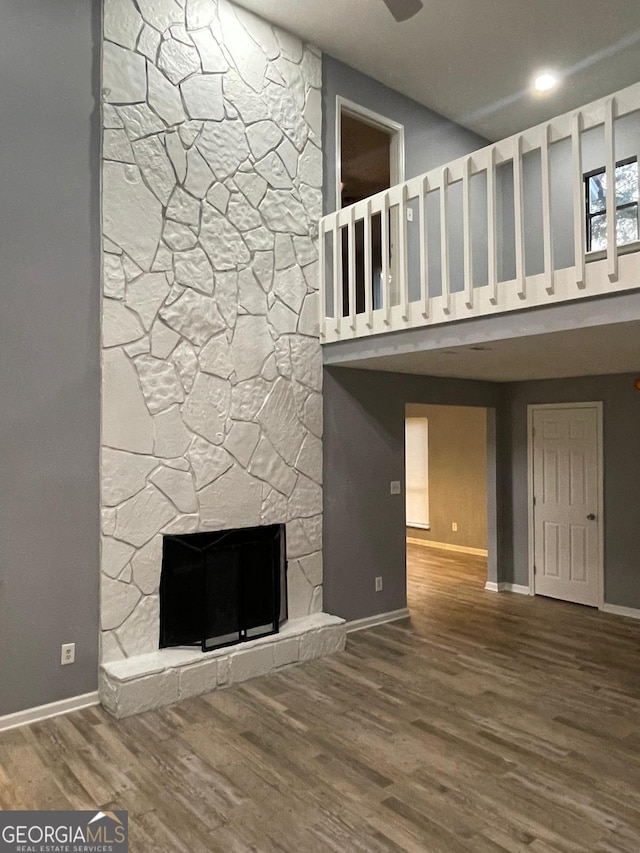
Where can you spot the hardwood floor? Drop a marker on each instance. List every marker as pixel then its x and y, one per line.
pixel 486 722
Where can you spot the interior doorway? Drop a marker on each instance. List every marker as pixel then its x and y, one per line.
pixel 370 159
pixel 449 477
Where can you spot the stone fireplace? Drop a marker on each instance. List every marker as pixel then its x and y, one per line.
pixel 211 364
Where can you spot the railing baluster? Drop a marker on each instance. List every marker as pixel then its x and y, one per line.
pixel 492 234
pixel 424 248
pixel 549 272
pixel 368 266
pixel 337 276
pixel 578 198
pixel 322 272
pixel 386 284
pixel 610 161
pixel 351 255
pixel 466 225
pixel 402 254
pixel 444 241
pixel 518 206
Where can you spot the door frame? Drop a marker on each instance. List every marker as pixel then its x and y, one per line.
pixel 597 405
pixel 367 116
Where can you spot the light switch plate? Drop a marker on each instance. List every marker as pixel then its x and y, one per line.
pixel 396 487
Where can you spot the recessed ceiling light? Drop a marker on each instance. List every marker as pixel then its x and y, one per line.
pixel 545 81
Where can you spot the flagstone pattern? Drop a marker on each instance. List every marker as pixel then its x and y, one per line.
pixel 211 365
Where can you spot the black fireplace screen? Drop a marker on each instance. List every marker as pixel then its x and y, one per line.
pixel 217 589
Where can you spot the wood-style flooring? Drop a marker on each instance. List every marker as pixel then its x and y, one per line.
pixel 486 722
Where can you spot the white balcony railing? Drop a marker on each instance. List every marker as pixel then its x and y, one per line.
pixel 501 229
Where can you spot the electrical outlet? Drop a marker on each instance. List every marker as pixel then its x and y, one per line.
pixel 454 526
pixel 67 653
pixel 396 487
pixel 378 584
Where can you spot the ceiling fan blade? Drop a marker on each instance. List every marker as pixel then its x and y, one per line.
pixel 402 10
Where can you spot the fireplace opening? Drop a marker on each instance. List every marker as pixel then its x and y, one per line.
pixel 219 589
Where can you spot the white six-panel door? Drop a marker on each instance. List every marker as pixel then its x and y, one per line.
pixel 567 523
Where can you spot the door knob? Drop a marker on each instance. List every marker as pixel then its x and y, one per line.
pixel 591 517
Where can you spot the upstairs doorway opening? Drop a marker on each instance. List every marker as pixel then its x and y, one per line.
pixel 370 159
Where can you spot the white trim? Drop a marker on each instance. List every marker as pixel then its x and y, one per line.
pixel 600 510
pixel 502 586
pixel 444 546
pixel 45 712
pixel 530 519
pixel 619 610
pixel 598 406
pixel 343 105
pixel 518 588
pixel 380 619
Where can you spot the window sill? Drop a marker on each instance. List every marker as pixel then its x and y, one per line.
pixel 625 249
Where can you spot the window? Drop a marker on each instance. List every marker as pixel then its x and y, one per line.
pixel 417 471
pixel 626 205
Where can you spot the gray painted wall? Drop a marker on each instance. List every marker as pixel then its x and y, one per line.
pixel 621 430
pixel 364 534
pixel 49 345
pixel 430 139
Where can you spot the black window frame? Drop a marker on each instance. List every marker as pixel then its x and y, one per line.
pixel 589 215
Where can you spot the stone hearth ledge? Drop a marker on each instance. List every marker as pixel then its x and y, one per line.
pixel 154 680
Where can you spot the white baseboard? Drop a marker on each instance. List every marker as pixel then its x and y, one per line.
pixel 619 610
pixel 379 619
pixel 518 588
pixel 45 712
pixel 444 546
pixel 492 586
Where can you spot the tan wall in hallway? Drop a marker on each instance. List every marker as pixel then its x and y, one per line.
pixel 457 474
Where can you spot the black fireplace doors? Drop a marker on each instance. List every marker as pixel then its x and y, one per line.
pixel 222 588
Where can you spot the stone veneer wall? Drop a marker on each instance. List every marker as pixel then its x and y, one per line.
pixel 211 365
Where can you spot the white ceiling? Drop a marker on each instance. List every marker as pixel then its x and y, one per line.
pixel 473 60
pixel 578 352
